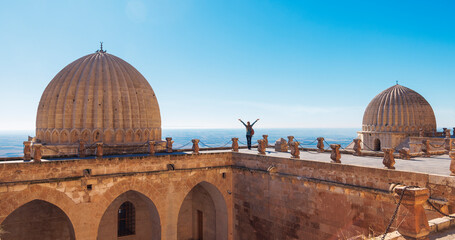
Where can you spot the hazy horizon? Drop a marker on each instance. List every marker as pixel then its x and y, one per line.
pixel 11 142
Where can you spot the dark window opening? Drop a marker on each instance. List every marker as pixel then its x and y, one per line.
pixel 89 187
pixel 377 145
pixel 87 172
pixel 126 219
pixel 200 229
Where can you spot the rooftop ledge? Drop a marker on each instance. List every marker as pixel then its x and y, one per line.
pixel 435 164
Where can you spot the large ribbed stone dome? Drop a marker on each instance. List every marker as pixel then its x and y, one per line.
pixel 98 97
pixel 399 109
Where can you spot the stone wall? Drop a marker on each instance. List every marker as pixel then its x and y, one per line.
pixel 387 139
pixel 264 197
pixel 90 201
pixel 316 200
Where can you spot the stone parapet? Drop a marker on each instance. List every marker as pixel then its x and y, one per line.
pixel 195 147
pixel 235 144
pixel 411 214
pixel 281 145
pixel 27 150
pixel 320 144
pixel 335 155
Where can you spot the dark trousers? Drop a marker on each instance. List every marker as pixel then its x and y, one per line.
pixel 248 141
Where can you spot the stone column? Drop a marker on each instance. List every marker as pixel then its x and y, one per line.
pixel 266 139
pixel 27 150
pixel 295 151
pixel 447 133
pixel 320 145
pixel 152 147
pixel 195 146
pixel 452 163
pixel 357 147
pixel 99 149
pixel 261 146
pixel 335 155
pixel 405 153
pixel 37 152
pixel 235 144
pixel 411 214
pixel 389 159
pixel 169 144
pixel 290 139
pixel 426 147
pixel 448 144
pixel 81 150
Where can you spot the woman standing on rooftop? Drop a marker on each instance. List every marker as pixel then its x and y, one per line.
pixel 249 131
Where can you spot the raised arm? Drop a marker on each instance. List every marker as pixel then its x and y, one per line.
pixel 255 122
pixel 242 122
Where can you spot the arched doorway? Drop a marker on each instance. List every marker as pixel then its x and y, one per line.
pixel 377 145
pixel 131 215
pixel 37 220
pixel 203 214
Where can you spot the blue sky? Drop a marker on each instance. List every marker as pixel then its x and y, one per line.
pixel 293 64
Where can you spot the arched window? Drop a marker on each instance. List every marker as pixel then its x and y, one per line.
pixel 126 219
pixel 377 145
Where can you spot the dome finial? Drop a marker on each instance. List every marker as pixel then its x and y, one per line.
pixel 101 48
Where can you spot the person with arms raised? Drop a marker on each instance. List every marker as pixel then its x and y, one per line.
pixel 249 131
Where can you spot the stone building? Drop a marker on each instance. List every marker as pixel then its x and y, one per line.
pixel 393 116
pixel 132 192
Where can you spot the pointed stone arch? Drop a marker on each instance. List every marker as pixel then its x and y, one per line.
pixel 146 221
pixel 203 214
pixel 47 136
pixel 55 137
pixel 64 136
pixel 377 144
pixel 13 201
pixel 138 136
pixel 97 136
pixel 109 136
pixel 119 136
pixel 44 220
pixel 86 136
pixel 129 136
pixel 146 135
pixel 74 136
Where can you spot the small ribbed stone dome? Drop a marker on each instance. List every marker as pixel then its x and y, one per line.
pixel 399 109
pixel 98 97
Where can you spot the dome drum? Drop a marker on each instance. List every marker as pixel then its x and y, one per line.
pixel 63 136
pixel 97 98
pixel 415 130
